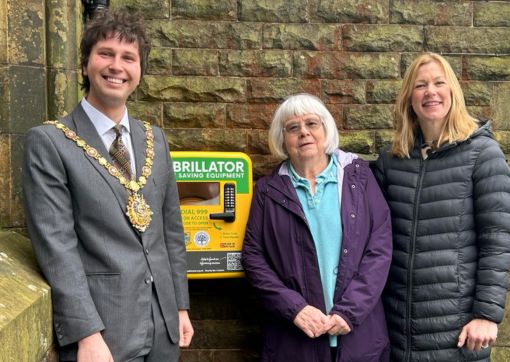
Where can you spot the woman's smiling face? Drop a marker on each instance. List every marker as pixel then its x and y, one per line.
pixel 431 98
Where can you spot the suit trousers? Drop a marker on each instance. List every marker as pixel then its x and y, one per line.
pixel 158 346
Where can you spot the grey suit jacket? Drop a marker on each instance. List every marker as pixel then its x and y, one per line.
pixel 98 266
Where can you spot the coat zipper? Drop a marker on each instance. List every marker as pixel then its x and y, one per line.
pixel 410 265
pixel 302 216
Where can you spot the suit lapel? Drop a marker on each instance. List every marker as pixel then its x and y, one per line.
pixel 138 141
pixel 86 130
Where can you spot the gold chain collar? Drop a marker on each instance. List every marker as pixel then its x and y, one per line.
pixel 138 211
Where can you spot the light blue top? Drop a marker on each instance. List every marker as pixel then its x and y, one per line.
pixel 322 211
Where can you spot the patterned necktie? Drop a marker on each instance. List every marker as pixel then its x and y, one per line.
pixel 120 154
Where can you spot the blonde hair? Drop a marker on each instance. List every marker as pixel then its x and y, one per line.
pixel 298 105
pixel 459 123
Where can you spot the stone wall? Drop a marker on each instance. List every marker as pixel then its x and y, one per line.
pixel 38 57
pixel 22 93
pixel 217 71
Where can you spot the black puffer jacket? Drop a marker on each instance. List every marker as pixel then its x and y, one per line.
pixel 451 245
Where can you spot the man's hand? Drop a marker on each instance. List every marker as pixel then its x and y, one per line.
pixel 185 329
pixel 336 325
pixel 311 321
pixel 477 334
pixel 93 349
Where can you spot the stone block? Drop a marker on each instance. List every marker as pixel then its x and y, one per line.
pixel 222 355
pixel 500 354
pixel 218 299
pixel 382 91
pixel 256 63
pixel 455 62
pixel 275 11
pixel 350 11
pixel 446 13
pixel 26 32
pixel 318 65
pixel 251 115
pixel 204 9
pixel 489 68
pixel 275 90
pixel 228 334
pixel 481 112
pixel 4 99
pixel 194 115
pixel 346 65
pixel 3 47
pixel 344 91
pixel 337 111
pixel 61 40
pixel 383 138
pixel 16 216
pixel 257 142
pixel 361 142
pixel 263 165
pixel 501 106
pixel 205 34
pixel 197 355
pixel 228 355
pixel 193 139
pixel 382 38
pixel 503 138
pixel 493 13
pixel 193 89
pixel 3 32
pixel 147 111
pixel 151 9
pixel 246 355
pixel 27 98
pixel 63 92
pixel 11 208
pixel 302 36
pixel 503 335
pixel 5 178
pixel 477 93
pixel 160 61
pixel 194 62
pixel 25 308
pixel 468 40
pixel 369 116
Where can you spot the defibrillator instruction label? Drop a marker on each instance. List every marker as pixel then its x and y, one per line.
pixel 214 262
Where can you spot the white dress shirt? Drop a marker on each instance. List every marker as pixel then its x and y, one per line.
pixel 104 127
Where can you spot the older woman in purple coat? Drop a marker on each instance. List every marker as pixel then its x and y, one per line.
pixel 317 247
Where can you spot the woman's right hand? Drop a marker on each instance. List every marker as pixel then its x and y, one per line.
pixel 337 326
pixel 311 321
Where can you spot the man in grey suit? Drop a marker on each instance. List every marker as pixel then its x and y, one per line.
pixel 103 212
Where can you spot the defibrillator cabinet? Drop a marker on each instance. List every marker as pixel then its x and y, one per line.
pixel 215 191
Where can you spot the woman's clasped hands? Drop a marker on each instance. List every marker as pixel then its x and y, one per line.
pixel 314 323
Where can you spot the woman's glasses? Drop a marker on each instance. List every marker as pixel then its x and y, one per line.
pixel 295 127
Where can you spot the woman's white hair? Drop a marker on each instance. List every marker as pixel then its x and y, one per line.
pixel 298 105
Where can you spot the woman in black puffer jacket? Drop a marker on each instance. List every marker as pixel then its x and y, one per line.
pixel 448 187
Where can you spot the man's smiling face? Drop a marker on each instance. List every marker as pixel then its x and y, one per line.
pixel 114 72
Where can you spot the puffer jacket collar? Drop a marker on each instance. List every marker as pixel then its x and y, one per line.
pixel 484 129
